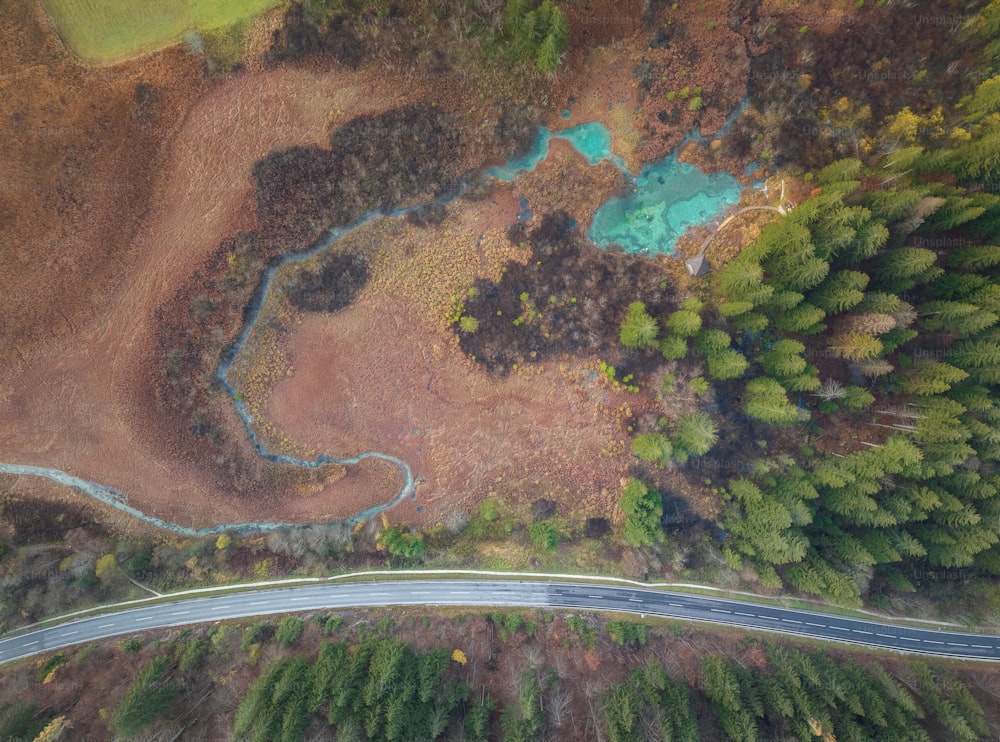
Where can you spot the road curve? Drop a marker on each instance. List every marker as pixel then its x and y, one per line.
pixel 502 594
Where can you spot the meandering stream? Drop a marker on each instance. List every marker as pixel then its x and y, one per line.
pixel 669 197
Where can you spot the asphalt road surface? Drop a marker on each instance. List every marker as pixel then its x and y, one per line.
pixel 502 594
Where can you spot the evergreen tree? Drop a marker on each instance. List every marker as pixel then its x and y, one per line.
pixel 841 291
pixel 673 348
pixel 930 377
pixel 897 269
pixel 684 323
pixel 643 509
pixel 653 447
pixel 767 401
pixel 695 433
pixel 727 364
pixel 976 258
pixel 639 329
pixel 855 346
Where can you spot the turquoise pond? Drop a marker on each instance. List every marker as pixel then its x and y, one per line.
pixel 668 197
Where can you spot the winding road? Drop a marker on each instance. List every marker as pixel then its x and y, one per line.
pixel 502 594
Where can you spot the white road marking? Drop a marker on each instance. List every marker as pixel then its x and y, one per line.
pixel 596 597
pixel 145 618
pixel 859 631
pixel 105 626
pixel 840 628
pixel 676 605
pixel 790 620
pixel 180 613
pixel 932 641
pixel 748 615
pixel 70 633
pixel 635 600
pixel 887 636
pixel 719 610
pixel 908 639
pixel 31 644
pixel 817 625
pixel 981 646
pixel 956 644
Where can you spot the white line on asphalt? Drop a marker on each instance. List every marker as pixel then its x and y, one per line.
pixel 839 628
pixel 769 618
pixel 180 613
pixel 980 646
pixel 818 625
pixel 635 600
pixel 719 610
pixel 932 641
pixel 382 595
pixel 260 602
pixel 859 631
pixel 306 598
pixel 145 618
pixel 957 644
pixel 676 605
pixel 31 644
pixel 105 626
pixel 908 639
pixel 70 633
pixel 790 620
pixel 596 597
pixel 887 636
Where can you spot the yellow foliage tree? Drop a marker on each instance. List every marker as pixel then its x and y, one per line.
pixel 459 656
pixel 105 564
pixel 223 541
pixel 54 730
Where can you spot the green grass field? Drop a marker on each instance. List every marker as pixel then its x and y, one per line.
pixel 102 31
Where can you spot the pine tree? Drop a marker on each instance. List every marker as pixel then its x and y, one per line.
pixel 684 323
pixel 712 341
pixel 643 509
pixel 547 57
pixel 898 267
pixel 874 367
pixel 930 377
pixel 805 319
pixel 673 348
pixel 695 434
pixel 653 447
pixel 638 329
pixel 855 346
pixel 740 278
pixel 727 364
pixel 841 171
pixel 976 258
pixel 840 291
pixel 768 402
pixel 866 324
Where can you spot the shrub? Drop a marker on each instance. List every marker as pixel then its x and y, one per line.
pixel 289 630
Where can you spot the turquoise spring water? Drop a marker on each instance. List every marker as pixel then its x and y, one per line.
pixel 592 140
pixel 669 197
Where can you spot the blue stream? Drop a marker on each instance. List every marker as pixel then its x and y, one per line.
pixel 700 197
